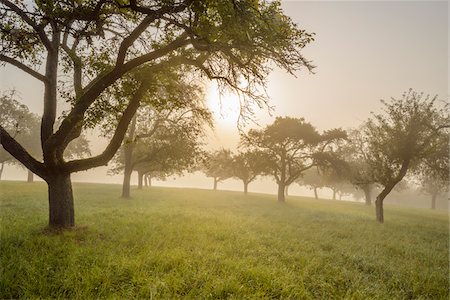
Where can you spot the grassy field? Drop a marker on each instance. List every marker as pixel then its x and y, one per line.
pixel 177 243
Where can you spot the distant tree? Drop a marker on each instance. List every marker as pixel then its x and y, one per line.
pixel 25 127
pixel 402 138
pixel 217 165
pixel 176 104
pixel 355 153
pixel 171 151
pixel 433 173
pixel 99 43
pixel 293 146
pixel 14 117
pixel 162 142
pixel 248 165
pixel 311 179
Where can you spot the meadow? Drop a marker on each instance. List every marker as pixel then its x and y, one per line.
pixel 186 243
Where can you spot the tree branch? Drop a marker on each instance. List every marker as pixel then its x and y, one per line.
pixel 98 85
pixel 116 141
pixel 19 153
pixel 23 67
pixel 24 16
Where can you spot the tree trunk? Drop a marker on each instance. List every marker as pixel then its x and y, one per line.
pixel 215 184
pixel 1 170
pixel 379 209
pixel 128 167
pixel 149 179
pixel 281 190
pixel 245 187
pixel 30 177
pixel 433 200
pixel 315 193
pixel 140 179
pixel 379 201
pixel 126 183
pixel 60 198
pixel 387 189
pixel 334 194
pixel 286 190
pixel 368 195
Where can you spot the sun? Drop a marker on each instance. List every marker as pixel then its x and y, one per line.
pixel 225 107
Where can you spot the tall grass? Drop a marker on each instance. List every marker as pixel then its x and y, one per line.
pixel 179 243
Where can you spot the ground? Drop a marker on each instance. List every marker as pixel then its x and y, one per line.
pixel 179 243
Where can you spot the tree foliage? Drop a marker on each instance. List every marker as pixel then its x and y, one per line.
pixel 248 165
pixel 218 165
pixel 403 138
pixel 293 146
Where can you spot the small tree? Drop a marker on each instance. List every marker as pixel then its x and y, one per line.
pixel 217 165
pixel 433 173
pixel 355 154
pixel 292 146
pixel 247 165
pixel 312 179
pixel 402 139
pixel 14 117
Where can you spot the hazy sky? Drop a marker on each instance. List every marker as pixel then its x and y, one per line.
pixel 364 52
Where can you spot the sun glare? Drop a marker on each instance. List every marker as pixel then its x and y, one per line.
pixel 224 106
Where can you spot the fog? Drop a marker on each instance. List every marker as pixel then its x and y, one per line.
pixel 371 51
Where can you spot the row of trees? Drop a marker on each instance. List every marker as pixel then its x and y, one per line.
pixel 162 143
pixel 409 139
pixel 110 60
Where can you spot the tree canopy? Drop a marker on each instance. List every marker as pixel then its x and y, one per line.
pixel 293 146
pixel 403 138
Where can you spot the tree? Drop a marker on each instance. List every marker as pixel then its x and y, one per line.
pixel 293 146
pixel 355 154
pixel 217 165
pixel 312 179
pixel 99 42
pixel 20 122
pixel 182 111
pixel 247 165
pixel 173 146
pixel 402 139
pixel 433 173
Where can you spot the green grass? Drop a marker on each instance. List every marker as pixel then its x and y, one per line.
pixel 180 243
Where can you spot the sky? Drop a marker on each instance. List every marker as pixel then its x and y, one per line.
pixel 363 52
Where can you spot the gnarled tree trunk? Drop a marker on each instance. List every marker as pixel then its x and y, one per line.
pixel 60 198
